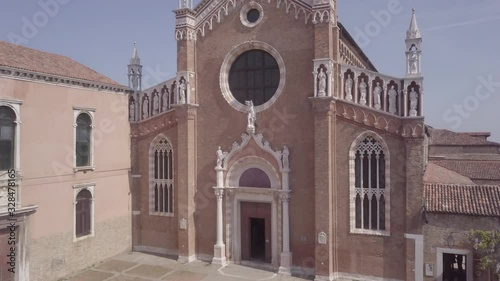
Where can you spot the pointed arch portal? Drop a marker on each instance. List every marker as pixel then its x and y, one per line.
pixel 256 204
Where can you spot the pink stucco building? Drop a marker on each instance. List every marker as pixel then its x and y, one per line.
pixel 65 148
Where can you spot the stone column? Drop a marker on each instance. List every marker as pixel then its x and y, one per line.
pixel 219 247
pixel 286 255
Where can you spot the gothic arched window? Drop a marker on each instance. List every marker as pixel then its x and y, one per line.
pixel 7 137
pixel 369 189
pixel 162 177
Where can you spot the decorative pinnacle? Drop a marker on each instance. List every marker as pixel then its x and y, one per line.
pixel 413 32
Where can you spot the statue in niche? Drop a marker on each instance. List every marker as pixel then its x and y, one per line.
pixel 322 83
pixel 285 155
pixel 413 102
pixel 413 61
pixel 220 158
pixel 348 88
pixel 174 92
pixel 182 91
pixel 377 91
pixel 392 100
pixel 165 100
pixel 132 110
pixel 251 116
pixel 156 104
pixel 362 91
pixel 133 79
pixel 145 109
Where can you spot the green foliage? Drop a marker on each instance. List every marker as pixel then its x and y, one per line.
pixel 487 247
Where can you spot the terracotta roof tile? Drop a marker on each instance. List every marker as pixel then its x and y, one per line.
pixel 437 174
pixel 446 137
pixel 481 200
pixel 42 62
pixel 473 169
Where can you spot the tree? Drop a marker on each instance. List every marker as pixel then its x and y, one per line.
pixel 486 244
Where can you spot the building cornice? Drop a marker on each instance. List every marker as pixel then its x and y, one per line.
pixel 27 75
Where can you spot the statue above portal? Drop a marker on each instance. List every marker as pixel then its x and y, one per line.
pixel 251 117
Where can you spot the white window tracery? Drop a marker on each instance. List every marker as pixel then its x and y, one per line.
pixel 161 178
pixel 369 188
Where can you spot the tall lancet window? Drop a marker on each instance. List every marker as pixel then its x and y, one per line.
pixel 369 188
pixel 162 177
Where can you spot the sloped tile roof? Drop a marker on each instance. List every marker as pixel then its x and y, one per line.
pixel 437 174
pixel 23 58
pixel 446 137
pixel 481 200
pixel 473 169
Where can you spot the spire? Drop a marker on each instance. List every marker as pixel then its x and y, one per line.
pixel 135 70
pixel 413 32
pixel 135 56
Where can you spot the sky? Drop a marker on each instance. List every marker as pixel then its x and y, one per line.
pixel 461 45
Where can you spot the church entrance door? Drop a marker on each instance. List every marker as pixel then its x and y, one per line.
pixel 256 232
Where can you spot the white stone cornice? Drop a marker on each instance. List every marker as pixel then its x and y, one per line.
pixel 208 13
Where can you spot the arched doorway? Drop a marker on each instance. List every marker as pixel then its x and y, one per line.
pixel 252 211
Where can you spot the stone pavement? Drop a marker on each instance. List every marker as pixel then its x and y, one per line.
pixel 136 266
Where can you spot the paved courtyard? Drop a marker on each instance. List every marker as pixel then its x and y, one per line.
pixel 135 266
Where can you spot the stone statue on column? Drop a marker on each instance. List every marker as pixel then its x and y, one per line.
pixel 392 100
pixel 175 90
pixel 145 109
pixel 362 91
pixel 132 110
pixel 220 158
pixel 251 117
pixel 165 100
pixel 285 155
pixel 413 61
pixel 377 91
pixel 156 104
pixel 322 83
pixel 413 102
pixel 348 88
pixel 182 91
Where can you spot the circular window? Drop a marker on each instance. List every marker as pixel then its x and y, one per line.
pixel 255 76
pixel 253 15
pixel 253 71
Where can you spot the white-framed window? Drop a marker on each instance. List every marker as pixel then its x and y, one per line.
pixel 161 177
pixel 83 139
pixel 10 128
pixel 369 185
pixel 83 218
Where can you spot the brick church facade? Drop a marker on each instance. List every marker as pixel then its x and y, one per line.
pixel 281 149
pixel 277 145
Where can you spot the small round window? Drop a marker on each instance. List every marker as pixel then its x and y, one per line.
pixel 253 15
pixel 255 76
